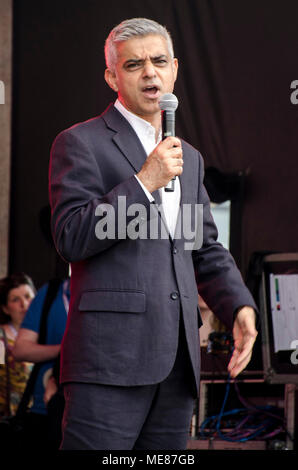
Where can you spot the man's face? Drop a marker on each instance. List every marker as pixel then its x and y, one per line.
pixel 144 72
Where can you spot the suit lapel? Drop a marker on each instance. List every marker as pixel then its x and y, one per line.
pixel 127 141
pixel 125 138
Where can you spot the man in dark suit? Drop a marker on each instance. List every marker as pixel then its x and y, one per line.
pixel 130 353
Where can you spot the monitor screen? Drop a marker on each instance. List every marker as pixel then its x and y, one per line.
pixel 284 310
pixel 279 314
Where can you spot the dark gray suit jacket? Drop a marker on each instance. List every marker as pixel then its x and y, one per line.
pixel 126 295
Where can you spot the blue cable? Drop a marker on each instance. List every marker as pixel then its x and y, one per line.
pixel 218 418
pixel 223 403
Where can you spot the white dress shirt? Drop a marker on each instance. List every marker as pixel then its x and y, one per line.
pixel 146 133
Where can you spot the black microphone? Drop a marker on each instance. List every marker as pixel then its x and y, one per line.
pixel 168 104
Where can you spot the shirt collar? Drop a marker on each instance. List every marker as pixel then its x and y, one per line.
pixel 140 126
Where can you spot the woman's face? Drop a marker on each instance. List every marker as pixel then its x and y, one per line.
pixel 18 301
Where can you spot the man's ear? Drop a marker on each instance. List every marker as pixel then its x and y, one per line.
pixel 110 78
pixel 175 68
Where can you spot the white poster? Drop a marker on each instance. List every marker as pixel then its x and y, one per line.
pixel 284 309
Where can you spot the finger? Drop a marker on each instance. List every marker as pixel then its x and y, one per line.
pixel 175 152
pixel 242 351
pixel 172 142
pixel 233 359
pixel 178 170
pixel 240 359
pixel 246 349
pixel 238 367
pixel 179 162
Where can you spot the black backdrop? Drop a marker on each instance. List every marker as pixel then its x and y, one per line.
pixel 237 61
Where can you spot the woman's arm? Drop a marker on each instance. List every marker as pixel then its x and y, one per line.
pixel 27 348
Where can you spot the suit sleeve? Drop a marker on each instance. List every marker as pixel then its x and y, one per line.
pixel 76 191
pixel 219 280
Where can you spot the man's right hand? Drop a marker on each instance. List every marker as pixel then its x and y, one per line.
pixel 162 164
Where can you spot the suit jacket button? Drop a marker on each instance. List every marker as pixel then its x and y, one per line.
pixel 175 250
pixel 174 295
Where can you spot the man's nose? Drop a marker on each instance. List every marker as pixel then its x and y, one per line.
pixel 149 69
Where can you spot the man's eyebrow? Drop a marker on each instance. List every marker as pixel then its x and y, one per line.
pixel 134 61
pixel 162 56
pixel 139 61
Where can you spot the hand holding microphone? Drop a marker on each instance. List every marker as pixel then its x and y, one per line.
pixel 166 161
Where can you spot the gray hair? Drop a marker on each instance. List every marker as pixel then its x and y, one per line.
pixel 128 29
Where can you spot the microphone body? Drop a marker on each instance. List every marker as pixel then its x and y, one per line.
pixel 168 104
pixel 168 123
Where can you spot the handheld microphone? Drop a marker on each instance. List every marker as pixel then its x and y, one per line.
pixel 168 104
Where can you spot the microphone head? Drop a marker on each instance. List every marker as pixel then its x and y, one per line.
pixel 168 102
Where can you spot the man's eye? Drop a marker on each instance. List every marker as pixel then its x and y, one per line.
pixel 161 61
pixel 132 65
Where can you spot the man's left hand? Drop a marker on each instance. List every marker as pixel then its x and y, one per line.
pixel 244 334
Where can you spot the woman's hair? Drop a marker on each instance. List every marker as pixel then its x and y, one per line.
pixel 129 29
pixel 11 282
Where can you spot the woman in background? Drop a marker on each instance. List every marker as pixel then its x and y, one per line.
pixel 16 293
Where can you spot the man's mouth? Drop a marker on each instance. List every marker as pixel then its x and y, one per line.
pixel 151 91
